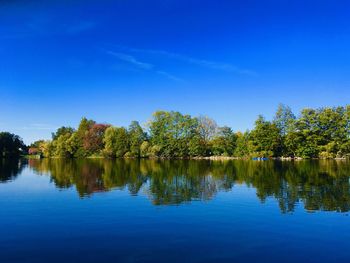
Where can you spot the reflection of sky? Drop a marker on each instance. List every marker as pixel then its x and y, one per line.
pixel 37 219
pixel 28 182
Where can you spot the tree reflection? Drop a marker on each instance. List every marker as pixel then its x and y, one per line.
pixel 10 168
pixel 319 185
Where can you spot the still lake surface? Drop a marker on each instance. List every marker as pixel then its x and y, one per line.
pixel 174 211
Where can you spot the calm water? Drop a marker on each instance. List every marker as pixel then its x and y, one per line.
pixel 174 211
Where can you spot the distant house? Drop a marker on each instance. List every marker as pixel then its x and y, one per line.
pixel 33 151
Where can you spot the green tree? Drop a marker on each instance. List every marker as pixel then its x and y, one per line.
pixel 145 149
pixel 307 134
pixel 61 147
pixel 110 141
pixel 46 149
pixel 207 129
pixel 116 142
pixel 284 119
pixel 171 132
pixel 136 137
pixel 243 145
pixel 265 138
pixel 62 131
pixel 197 146
pixel 122 142
pixel 74 145
pixel 345 147
pixel 332 130
pixel 224 143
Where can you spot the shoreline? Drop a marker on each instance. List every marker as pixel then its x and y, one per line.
pixel 210 158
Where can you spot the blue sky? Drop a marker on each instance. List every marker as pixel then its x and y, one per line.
pixel 118 61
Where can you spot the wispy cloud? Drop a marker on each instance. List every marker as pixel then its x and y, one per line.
pixel 169 76
pixel 194 61
pixel 142 65
pixel 130 59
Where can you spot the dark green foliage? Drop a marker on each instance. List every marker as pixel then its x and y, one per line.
pixel 243 145
pixel 320 133
pixel 11 145
pixel 265 139
pixel 224 143
pixel 197 146
pixel 121 142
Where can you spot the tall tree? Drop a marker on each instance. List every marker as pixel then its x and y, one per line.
pixel 116 142
pixel 11 145
pixel 284 119
pixel 61 146
pixel 207 128
pixel 110 141
pixel 224 143
pixel 84 126
pixel 243 145
pixel 307 134
pixel 93 139
pixel 62 131
pixel 171 133
pixel 136 137
pixel 265 138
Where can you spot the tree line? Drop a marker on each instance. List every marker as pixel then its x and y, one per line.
pixel 314 133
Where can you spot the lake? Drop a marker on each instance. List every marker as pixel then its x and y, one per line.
pixel 98 210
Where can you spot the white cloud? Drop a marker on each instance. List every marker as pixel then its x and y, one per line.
pixel 131 60
pixel 169 76
pixel 195 61
pixel 142 65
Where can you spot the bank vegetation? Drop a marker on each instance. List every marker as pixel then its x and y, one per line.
pixel 314 133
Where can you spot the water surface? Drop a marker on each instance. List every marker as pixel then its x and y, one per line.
pixel 174 211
